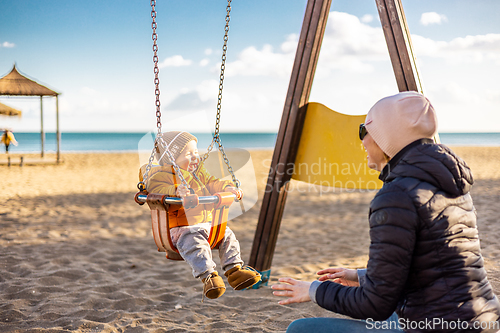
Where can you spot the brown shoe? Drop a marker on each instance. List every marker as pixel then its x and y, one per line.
pixel 213 286
pixel 242 277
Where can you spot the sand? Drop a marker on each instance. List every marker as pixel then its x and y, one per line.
pixel 77 254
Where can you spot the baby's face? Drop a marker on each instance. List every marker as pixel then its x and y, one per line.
pixel 189 157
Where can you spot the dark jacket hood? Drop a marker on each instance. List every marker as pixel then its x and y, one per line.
pixel 432 163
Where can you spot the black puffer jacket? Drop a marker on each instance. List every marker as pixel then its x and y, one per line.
pixel 424 260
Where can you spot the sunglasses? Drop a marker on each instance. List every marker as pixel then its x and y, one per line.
pixel 362 131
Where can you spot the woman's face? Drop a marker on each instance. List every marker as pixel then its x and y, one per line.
pixel 375 156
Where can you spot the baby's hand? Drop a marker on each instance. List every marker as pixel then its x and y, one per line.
pixel 182 191
pixel 236 191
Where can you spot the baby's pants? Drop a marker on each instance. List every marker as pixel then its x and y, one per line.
pixel 193 246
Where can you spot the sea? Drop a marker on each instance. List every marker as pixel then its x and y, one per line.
pixel 129 142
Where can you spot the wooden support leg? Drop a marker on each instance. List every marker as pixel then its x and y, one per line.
pixel 299 89
pixel 397 37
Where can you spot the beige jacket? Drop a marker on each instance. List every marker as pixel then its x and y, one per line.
pixel 164 181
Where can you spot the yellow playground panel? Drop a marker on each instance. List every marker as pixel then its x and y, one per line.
pixel 330 152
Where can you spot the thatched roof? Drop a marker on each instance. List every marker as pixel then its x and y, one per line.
pixel 15 84
pixel 8 111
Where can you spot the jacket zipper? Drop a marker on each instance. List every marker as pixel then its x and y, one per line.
pixel 200 184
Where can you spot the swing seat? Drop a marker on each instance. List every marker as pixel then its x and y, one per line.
pixel 159 205
pixel 330 152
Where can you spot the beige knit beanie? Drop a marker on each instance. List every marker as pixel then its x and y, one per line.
pixel 176 142
pixel 396 121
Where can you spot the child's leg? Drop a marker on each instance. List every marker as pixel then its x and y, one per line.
pixel 229 251
pixel 194 248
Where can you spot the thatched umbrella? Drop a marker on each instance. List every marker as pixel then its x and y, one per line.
pixel 16 84
pixel 6 110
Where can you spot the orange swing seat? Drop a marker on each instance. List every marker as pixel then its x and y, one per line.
pixel 159 205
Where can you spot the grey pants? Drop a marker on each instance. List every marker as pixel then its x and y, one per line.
pixel 192 243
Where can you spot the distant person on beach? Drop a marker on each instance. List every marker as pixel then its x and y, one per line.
pixel 7 139
pixel 425 260
pixel 190 228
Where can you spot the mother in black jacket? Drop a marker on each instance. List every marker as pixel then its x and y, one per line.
pixel 425 261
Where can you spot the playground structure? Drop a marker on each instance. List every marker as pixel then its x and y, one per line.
pixel 298 133
pixel 296 136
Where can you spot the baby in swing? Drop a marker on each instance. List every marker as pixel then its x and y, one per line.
pixel 190 228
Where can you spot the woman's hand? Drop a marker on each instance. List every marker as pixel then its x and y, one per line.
pixel 182 191
pixel 344 276
pixel 298 291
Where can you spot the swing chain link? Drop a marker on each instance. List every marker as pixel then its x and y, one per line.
pixel 154 25
pixel 216 137
pixel 221 83
pixel 159 139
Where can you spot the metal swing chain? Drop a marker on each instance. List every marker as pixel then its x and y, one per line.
pixel 216 137
pixel 159 139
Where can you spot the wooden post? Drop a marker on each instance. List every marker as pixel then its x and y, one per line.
pixel 42 134
pixel 58 132
pixel 397 36
pixel 281 170
pixel 398 39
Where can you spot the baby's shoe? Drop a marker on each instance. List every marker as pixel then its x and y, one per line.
pixel 213 286
pixel 242 277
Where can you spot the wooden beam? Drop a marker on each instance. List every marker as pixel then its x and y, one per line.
pixel 58 132
pixel 42 133
pixel 398 39
pixel 299 89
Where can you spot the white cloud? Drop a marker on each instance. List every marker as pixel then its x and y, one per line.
pixel 207 90
pixel 432 18
pixel 348 44
pixel 175 61
pixel 452 91
pixel 208 52
pixel 353 71
pixel 204 62
pixel 469 49
pixel 290 44
pixel 264 62
pixel 351 45
pixel 367 18
pixel 8 44
pixel 199 98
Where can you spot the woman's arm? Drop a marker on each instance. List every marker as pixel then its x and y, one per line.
pixel 393 223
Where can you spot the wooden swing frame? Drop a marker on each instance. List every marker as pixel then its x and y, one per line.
pixel 397 36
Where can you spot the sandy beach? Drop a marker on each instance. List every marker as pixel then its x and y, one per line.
pixel 77 253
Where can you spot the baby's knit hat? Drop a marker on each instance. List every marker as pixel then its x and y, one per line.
pixel 176 142
pixel 396 121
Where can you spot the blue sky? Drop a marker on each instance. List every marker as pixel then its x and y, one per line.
pixel 98 55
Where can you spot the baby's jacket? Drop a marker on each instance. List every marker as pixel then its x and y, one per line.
pixel 163 180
